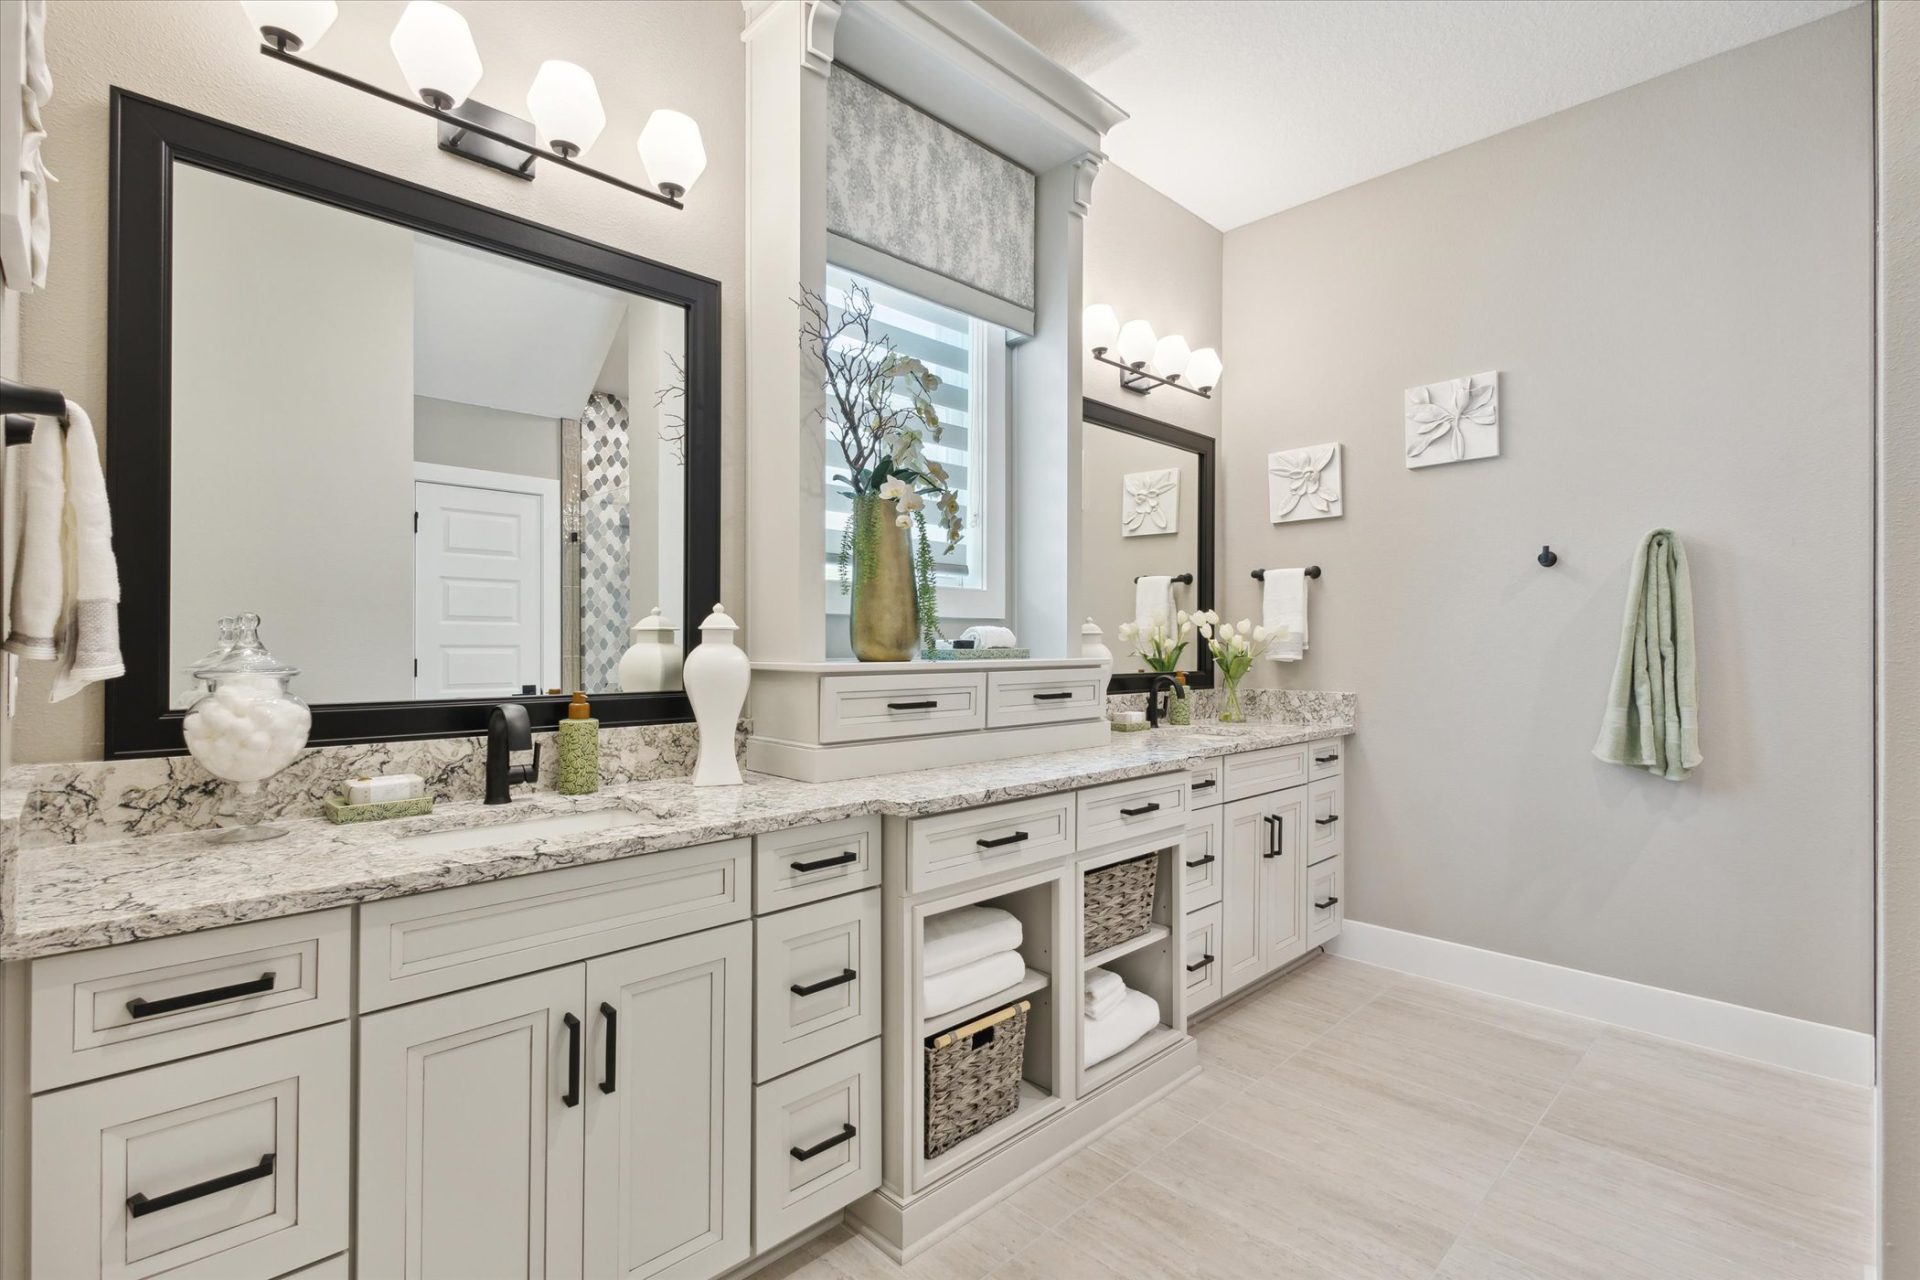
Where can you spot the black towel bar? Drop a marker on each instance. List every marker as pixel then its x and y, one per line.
pixel 1312 571
pixel 1184 579
pixel 21 404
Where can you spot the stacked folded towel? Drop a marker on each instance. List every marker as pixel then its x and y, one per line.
pixel 967 954
pixel 1104 992
pixel 1135 1014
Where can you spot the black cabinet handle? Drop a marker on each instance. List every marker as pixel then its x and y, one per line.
pixel 1201 963
pixel 1151 806
pixel 807 1153
pixel 839 980
pixel 1202 860
pixel 1326 822
pixel 1204 783
pixel 140 1205
pixel 1330 902
pixel 1015 838
pixel 927 705
pixel 1277 834
pixel 1053 697
pixel 150 1008
pixel 572 1096
pixel 837 860
pixel 612 1017
pixel 1325 759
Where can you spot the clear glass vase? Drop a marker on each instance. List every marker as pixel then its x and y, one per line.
pixel 1230 712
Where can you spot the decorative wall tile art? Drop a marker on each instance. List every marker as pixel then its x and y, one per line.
pixel 1303 484
pixel 1454 421
pixel 1151 503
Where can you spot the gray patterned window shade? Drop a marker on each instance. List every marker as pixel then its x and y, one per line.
pixel 925 208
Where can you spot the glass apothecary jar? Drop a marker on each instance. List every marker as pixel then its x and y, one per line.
pixel 247 726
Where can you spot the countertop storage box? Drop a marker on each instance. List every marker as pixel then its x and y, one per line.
pixel 973 1076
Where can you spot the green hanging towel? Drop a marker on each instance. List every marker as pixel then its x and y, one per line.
pixel 1653 708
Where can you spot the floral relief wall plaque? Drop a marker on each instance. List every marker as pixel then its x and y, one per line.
pixel 1150 503
pixel 1454 421
pixel 1303 484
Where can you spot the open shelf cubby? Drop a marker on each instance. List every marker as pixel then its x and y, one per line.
pixel 1151 961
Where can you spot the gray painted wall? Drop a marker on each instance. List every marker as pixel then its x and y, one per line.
pixel 1675 282
pixel 453 434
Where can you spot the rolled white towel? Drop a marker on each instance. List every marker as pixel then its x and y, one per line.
pixel 965 934
pixel 945 992
pixel 1101 1038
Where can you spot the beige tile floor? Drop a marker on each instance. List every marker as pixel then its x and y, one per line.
pixel 1353 1123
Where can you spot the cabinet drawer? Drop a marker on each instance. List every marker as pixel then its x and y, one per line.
pixel 806 864
pixel 1044 697
pixel 97 1013
pixel 862 708
pixel 1323 758
pixel 1202 958
pixel 817 981
pixel 334 1268
pixel 817 1143
pixel 231 1165
pixel 1206 782
pixel 1326 886
pixel 954 847
pixel 1326 821
pixel 1204 859
pixel 1258 772
pixel 1128 810
pixel 433 943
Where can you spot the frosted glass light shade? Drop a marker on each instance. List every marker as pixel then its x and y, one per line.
pixel 297 23
pixel 1204 369
pixel 1170 356
pixel 671 150
pixel 1136 342
pixel 1099 326
pixel 434 48
pixel 565 106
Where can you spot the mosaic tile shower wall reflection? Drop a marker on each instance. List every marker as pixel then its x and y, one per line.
pixel 606 571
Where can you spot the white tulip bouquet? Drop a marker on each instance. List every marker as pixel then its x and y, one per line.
pixel 1159 644
pixel 1234 646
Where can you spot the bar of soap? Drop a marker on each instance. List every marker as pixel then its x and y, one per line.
pixel 390 786
pixel 1128 717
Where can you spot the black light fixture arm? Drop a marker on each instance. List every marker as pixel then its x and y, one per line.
pixel 281 51
pixel 1135 378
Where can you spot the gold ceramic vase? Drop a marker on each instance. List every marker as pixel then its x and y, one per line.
pixel 884 621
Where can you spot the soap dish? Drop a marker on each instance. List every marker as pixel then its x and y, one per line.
pixel 338 810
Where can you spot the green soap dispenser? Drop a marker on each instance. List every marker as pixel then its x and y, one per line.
pixel 579 771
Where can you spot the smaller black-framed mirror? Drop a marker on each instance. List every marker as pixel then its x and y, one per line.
pixel 453 458
pixel 1146 492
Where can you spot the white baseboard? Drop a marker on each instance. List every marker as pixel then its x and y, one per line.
pixel 1813 1047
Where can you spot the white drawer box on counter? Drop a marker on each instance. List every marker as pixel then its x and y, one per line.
pixel 952 848
pixel 1128 810
pixel 857 709
pixel 1044 697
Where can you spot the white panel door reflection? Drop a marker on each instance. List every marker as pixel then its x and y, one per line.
pixel 479 573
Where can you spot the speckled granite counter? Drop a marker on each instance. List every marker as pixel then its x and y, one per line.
pixel 73 896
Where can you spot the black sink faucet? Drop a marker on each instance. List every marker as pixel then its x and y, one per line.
pixel 509 730
pixel 1154 711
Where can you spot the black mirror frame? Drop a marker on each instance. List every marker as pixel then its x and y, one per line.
pixel 148 137
pixel 1117 419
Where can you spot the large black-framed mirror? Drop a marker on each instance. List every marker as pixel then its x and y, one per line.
pixel 450 456
pixel 1146 494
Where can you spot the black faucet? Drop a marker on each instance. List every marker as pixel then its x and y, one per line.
pixel 509 730
pixel 1153 697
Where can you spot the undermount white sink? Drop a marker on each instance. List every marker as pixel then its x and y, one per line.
pixel 563 824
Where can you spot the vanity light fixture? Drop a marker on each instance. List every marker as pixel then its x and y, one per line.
pixel 1146 361
pixel 441 65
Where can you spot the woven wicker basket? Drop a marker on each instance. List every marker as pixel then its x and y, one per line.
pixel 973 1076
pixel 1119 902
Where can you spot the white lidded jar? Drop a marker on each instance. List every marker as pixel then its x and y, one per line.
pixel 247 726
pixel 717 672
pixel 652 662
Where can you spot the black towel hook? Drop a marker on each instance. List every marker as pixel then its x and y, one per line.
pixel 1546 558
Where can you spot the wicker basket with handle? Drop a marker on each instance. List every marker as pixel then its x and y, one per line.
pixel 1118 902
pixel 973 1076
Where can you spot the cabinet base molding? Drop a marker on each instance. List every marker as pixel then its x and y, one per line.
pixel 1254 988
pixel 785 1249
pixel 904 1229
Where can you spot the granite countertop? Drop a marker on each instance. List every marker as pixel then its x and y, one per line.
pixel 72 897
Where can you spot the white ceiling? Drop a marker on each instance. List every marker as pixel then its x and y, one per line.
pixel 1242 108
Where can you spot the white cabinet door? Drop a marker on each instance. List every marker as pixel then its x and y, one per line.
pixel 470 1133
pixel 1283 881
pixel 480 580
pixel 670 1107
pixel 1248 840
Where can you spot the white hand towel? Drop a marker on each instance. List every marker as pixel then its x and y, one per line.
pixel 1153 601
pixel 90 644
pixel 945 992
pixel 1106 1005
pixel 1101 1038
pixel 1283 611
pixel 39 578
pixel 1101 983
pixel 966 934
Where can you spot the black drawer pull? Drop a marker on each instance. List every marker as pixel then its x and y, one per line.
pixel 1151 806
pixel 1204 783
pixel 140 1205
pixel 837 860
pixel 928 705
pixel 1201 963
pixel 1202 860
pixel 1325 759
pixel 1326 822
pixel 1330 902
pixel 1053 697
pixel 612 1017
pixel 212 995
pixel 572 1096
pixel 840 980
pixel 807 1153
pixel 1015 838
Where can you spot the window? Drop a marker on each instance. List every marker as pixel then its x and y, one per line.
pixel 970 358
